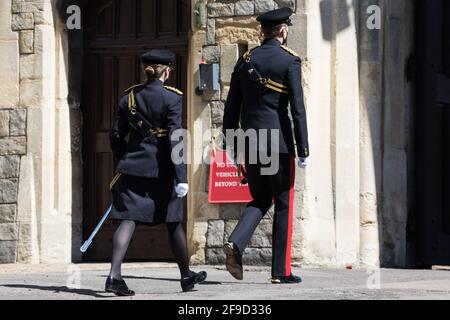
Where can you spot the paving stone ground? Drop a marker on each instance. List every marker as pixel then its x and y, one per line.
pixel 153 281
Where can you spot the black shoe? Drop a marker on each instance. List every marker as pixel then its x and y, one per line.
pixel 118 287
pixel 187 284
pixel 286 279
pixel 234 260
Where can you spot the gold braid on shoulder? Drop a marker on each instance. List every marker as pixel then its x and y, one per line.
pixel 174 90
pixel 133 87
pixel 290 51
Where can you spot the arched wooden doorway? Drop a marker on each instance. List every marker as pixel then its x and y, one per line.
pixel 116 33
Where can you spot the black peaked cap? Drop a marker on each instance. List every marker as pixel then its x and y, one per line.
pixel 276 17
pixel 158 56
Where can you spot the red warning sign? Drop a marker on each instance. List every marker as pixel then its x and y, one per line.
pixel 224 182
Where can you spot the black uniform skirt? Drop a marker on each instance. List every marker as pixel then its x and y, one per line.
pixel 149 201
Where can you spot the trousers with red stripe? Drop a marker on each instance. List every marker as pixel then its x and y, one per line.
pixel 266 189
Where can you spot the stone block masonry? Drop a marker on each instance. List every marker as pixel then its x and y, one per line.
pixel 18 21
pixel 12 148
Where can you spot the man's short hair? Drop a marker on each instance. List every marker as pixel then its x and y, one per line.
pixel 271 32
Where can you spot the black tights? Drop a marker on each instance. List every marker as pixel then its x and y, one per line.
pixel 178 244
pixel 122 238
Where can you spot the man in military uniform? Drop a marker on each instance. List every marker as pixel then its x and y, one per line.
pixel 265 80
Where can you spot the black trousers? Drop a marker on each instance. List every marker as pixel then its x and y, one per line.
pixel 266 189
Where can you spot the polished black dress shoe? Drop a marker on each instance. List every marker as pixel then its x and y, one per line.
pixel 286 279
pixel 118 287
pixel 188 283
pixel 234 260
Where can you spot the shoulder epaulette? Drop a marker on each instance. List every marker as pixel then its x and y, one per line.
pixel 289 50
pixel 132 87
pixel 174 90
pixel 245 55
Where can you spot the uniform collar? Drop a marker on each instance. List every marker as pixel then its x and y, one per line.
pixel 155 82
pixel 271 42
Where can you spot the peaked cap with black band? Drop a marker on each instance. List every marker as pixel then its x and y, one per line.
pixel 159 56
pixel 276 17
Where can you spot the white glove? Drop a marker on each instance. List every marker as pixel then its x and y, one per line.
pixel 181 189
pixel 303 162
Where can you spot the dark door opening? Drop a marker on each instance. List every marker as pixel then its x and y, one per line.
pixel 432 170
pixel 116 33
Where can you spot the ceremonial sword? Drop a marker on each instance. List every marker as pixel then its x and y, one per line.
pixel 88 242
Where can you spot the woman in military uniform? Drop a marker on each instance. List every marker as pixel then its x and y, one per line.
pixel 148 187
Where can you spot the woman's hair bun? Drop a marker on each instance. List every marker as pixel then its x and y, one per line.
pixel 150 71
pixel 155 71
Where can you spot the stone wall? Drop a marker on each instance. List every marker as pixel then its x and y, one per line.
pixel 12 148
pixel 16 41
pixel 38 132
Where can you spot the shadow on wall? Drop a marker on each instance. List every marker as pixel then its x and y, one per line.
pixel 336 16
pixel 327 10
pixel 73 61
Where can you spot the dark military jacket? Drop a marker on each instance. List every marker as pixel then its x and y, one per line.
pixel 149 156
pixel 249 107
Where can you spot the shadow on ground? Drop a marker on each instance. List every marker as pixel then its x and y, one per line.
pixel 178 280
pixel 55 289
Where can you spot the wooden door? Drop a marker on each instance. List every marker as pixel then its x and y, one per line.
pixel 116 33
pixel 433 132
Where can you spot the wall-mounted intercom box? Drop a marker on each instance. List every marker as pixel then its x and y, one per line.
pixel 208 77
